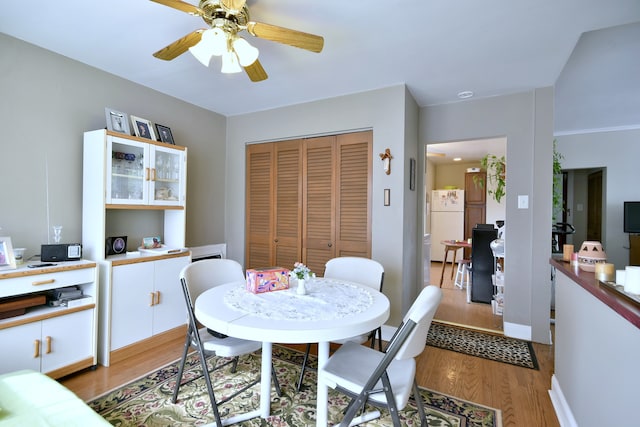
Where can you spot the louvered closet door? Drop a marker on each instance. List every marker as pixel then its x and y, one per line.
pixel 353 195
pixel 259 213
pixel 288 209
pixel 337 194
pixel 318 241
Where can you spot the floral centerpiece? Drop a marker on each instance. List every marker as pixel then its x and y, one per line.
pixel 301 271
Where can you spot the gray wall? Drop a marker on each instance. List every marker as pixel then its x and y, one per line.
pixel 618 152
pixel 526 120
pixel 389 113
pixel 47 102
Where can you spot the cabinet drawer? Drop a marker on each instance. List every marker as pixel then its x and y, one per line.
pixel 46 281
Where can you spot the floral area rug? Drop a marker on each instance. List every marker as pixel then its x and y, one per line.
pixel 147 401
pixel 485 345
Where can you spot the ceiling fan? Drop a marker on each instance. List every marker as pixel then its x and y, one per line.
pixel 227 18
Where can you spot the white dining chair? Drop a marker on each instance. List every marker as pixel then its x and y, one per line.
pixel 196 278
pixel 384 380
pixel 352 269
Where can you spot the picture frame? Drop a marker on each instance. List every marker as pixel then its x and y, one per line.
pixel 117 121
pixel 143 128
pixel 7 258
pixel 412 174
pixel 165 135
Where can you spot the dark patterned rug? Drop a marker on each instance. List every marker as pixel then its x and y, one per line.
pixel 486 345
pixel 147 401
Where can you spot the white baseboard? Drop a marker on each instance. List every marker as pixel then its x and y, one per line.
pixel 563 411
pixel 515 330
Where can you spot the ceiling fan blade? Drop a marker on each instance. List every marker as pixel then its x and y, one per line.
pixel 286 36
pixel 255 72
pixel 233 5
pixel 179 46
pixel 181 6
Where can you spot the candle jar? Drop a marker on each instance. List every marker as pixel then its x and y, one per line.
pixel 605 272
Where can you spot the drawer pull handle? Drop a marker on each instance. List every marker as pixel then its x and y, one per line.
pixel 146 174
pixel 153 299
pixel 43 282
pixel 157 297
pixel 36 349
pixel 48 340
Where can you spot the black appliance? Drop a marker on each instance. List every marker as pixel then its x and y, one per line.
pixel 482 262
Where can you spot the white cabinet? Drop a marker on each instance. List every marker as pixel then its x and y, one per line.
pixel 53 340
pixel 146 299
pixel 135 187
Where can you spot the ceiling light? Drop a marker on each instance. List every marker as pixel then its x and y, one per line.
pixel 247 54
pixel 212 43
pixel 457 159
pixel 230 63
pixel 465 94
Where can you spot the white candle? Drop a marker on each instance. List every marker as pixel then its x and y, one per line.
pixel 632 280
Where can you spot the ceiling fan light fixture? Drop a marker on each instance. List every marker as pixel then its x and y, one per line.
pixel 230 63
pixel 247 54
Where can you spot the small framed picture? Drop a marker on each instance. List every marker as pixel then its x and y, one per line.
pixel 7 259
pixel 143 128
pixel 165 134
pixel 117 121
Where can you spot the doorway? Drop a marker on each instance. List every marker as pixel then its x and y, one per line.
pixel 443 172
pixel 583 194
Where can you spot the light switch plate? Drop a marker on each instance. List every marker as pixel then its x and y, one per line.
pixel 523 202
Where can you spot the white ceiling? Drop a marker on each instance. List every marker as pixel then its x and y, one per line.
pixel 437 47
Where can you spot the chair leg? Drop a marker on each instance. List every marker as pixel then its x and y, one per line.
pixel 187 344
pixel 234 366
pixel 207 379
pixel 304 367
pixel 418 398
pixel 276 383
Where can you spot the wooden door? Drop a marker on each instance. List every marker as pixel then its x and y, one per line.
pixel 475 207
pixel 259 213
pixel 319 223
pixel 594 206
pixel 308 200
pixel 287 204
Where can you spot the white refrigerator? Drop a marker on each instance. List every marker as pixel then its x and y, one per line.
pixel 447 220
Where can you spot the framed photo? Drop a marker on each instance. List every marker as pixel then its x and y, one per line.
pixel 165 134
pixel 143 128
pixel 7 259
pixel 117 121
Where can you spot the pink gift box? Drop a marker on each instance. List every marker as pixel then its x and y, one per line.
pixel 267 279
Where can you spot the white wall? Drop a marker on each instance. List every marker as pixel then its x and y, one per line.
pixel 48 102
pixel 386 112
pixel 618 152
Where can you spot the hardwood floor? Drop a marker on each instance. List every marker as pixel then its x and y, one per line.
pixel 521 393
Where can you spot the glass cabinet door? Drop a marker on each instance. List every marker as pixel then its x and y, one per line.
pixel 127 172
pixel 167 182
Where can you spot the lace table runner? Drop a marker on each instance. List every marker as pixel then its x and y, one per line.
pixel 326 299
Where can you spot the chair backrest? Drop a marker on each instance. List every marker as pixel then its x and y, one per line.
pixel 356 269
pixel 421 312
pixel 202 275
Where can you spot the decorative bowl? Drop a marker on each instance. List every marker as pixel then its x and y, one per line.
pixel 590 254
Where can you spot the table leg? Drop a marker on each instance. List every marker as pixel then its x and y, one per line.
pixel 265 380
pixel 444 264
pixel 322 402
pixel 453 263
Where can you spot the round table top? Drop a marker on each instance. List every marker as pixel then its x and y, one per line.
pixel 331 310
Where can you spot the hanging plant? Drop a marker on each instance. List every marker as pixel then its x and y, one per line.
pixel 557 179
pixel 496 168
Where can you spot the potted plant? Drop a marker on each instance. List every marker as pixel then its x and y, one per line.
pixel 557 180
pixel 496 168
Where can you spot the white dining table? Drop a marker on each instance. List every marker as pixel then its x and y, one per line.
pixel 331 310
